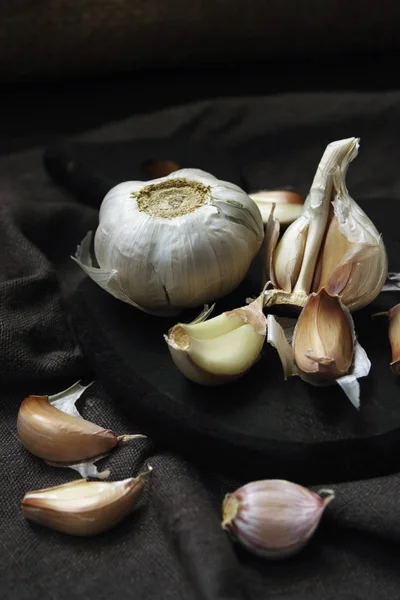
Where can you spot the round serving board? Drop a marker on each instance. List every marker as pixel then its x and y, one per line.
pixel 259 426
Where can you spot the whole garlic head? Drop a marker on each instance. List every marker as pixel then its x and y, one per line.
pixel 175 242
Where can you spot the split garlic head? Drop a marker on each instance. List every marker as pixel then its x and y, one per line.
pixel 176 242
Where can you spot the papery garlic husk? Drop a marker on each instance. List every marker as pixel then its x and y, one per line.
pixel 333 244
pixel 175 242
pixel 274 518
pixel 83 508
pixel 51 428
pixel 288 205
pixel 221 349
pixel 323 341
pixel 394 337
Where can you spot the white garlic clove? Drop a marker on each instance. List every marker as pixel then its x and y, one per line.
pixel 83 508
pixel 175 242
pixel 52 428
pixel 273 518
pixel 221 349
pixel 289 255
pixel 288 205
pixel 394 337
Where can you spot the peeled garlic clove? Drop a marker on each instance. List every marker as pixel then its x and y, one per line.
pixel 323 341
pixel 175 242
pixel 273 518
pixel 288 205
pixel 81 507
pixel 394 337
pixel 51 428
pixel 354 261
pixel 221 349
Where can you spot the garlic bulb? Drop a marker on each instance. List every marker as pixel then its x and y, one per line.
pixel 222 349
pixel 273 518
pixel 394 337
pixel 337 248
pixel 81 507
pixel 176 242
pixel 288 205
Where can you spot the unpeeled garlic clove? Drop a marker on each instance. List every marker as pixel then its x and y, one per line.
pixel 273 518
pixel 323 341
pixel 221 349
pixel 288 205
pixel 353 261
pixel 83 508
pixel 394 337
pixel 51 428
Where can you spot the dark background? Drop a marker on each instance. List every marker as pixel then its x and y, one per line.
pixel 290 71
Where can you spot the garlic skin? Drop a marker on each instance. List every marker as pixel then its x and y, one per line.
pixel 323 341
pixel 332 245
pixel 288 205
pixel 51 428
pixel 222 349
pixel 83 508
pixel 273 518
pixel 394 337
pixel 175 242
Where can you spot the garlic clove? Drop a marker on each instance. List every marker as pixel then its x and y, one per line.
pixel 289 254
pixel 83 508
pixel 394 337
pixel 354 261
pixel 280 336
pixel 323 341
pixel 221 349
pixel 288 205
pixel 273 518
pixel 51 428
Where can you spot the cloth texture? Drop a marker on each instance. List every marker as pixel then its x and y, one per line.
pixel 172 546
pixel 64 38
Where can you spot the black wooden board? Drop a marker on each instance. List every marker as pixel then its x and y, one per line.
pixel 261 425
